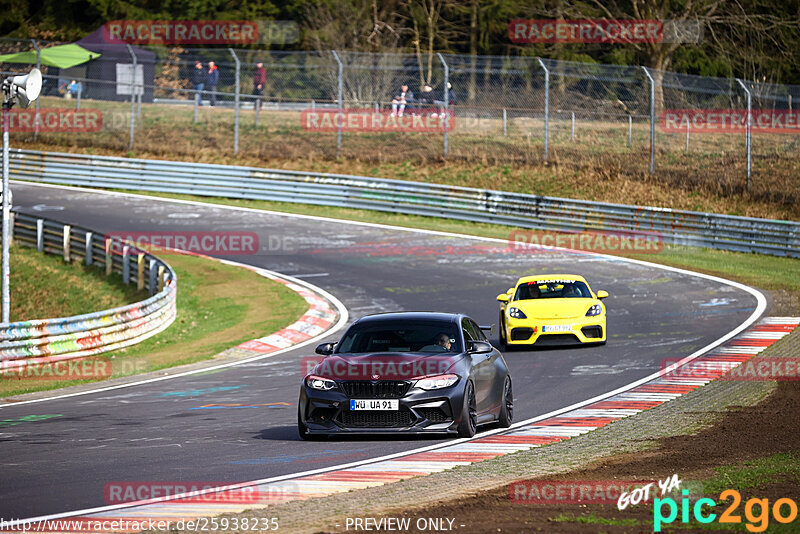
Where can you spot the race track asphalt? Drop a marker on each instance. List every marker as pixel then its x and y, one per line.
pixel 160 432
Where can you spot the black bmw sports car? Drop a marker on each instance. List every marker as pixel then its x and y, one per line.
pixel 408 372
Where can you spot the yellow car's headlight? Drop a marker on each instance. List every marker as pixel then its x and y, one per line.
pixel 516 313
pixel 597 309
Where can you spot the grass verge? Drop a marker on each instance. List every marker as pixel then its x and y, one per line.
pixel 219 306
pixel 44 286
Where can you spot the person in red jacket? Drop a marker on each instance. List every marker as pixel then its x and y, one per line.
pixel 259 80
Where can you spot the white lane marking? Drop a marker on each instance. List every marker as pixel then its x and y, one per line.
pixel 760 307
pixel 313 275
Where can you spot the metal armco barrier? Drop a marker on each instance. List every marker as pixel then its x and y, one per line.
pixel 45 341
pixel 745 234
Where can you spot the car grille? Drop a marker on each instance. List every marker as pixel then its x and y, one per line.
pixel 592 331
pixel 401 418
pixel 434 415
pixel 557 339
pixel 519 334
pixel 384 389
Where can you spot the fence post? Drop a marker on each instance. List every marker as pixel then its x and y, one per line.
pixel 126 264
pixel 236 103
pixel 140 271
pixel 572 131
pixel 652 120
pixel 152 273
pixel 78 97
pixel 748 132
pixel 339 98
pixel 446 99
pixel 630 130
pixel 36 113
pixel 687 137
pixel 257 104
pixel 87 249
pixel 133 97
pixel 40 235
pixel 197 97
pixel 109 256
pixel 65 243
pixel 546 107
pixel 505 123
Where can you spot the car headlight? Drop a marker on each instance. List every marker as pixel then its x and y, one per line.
pixel 516 313
pixel 437 382
pixel 597 309
pixel 317 382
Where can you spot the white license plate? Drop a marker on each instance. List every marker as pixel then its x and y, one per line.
pixel 374 404
pixel 557 328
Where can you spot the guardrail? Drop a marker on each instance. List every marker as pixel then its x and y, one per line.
pixel 43 341
pixel 746 234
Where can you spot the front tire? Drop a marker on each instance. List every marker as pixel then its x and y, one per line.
pixel 503 340
pixel 507 407
pixel 469 413
pixel 302 429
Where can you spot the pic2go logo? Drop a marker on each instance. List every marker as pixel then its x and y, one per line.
pixel 758 521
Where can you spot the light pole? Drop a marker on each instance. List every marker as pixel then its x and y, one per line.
pixel 23 90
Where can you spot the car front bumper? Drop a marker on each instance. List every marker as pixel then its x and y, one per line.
pixel 575 330
pixel 421 412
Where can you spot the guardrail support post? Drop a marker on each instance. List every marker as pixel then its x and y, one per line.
pixel 652 120
pixel 140 271
pixel 339 99
pixel 126 264
pixel 66 242
pixel 748 132
pixel 109 257
pixel 446 100
pixel 152 277
pixel 546 107
pixel 40 235
pixel 236 103
pixel 88 248
pixel 161 278
pixel 133 97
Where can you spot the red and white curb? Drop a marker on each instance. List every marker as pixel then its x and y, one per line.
pixel 320 317
pixel 564 426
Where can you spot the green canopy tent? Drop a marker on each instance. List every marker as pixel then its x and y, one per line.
pixel 62 56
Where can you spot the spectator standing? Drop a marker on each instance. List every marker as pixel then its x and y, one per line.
pixel 198 81
pixel 212 79
pixel 259 80
pixel 74 88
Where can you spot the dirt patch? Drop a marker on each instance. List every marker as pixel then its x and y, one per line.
pixel 763 430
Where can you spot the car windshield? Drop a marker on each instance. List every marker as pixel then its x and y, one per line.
pixel 435 337
pixel 552 289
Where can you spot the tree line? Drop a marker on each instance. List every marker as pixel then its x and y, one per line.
pixel 753 39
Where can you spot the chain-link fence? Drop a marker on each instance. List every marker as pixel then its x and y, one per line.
pixel 410 107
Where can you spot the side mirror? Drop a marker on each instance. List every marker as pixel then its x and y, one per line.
pixel 479 347
pixel 602 294
pixel 502 297
pixel 325 348
pixel 491 328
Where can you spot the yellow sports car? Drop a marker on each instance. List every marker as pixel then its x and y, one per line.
pixel 552 309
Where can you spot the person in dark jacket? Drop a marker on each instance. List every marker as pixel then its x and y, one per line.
pixel 198 81
pixel 212 79
pixel 259 80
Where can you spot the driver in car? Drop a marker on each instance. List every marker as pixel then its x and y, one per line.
pixel 441 343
